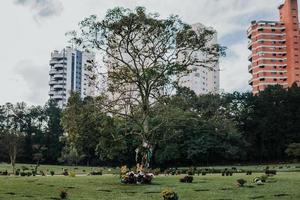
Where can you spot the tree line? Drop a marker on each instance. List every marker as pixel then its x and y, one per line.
pixel 196 130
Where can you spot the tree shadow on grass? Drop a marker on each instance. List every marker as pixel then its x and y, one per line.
pixel 281 195
pixel 11 193
pixel 257 197
pixel 201 190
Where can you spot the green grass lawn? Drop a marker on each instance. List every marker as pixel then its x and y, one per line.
pixel 58 169
pixel 285 185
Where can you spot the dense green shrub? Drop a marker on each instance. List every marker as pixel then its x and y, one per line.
pixel 72 174
pixel 24 168
pixel 249 173
pixel 187 179
pixel 169 194
pixel 52 173
pixel 42 173
pixel 63 194
pixel 241 182
pixel 270 172
pixel 191 171
pixel 98 173
pixel 23 173
pixel 65 172
pixel 4 173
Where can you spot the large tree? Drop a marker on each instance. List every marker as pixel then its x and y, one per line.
pixel 145 56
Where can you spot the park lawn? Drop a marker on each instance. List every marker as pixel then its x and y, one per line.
pixel 285 185
pixel 58 169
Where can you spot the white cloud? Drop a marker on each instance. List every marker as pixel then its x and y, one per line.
pixel 42 8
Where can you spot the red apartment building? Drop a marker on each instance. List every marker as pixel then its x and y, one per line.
pixel 275 46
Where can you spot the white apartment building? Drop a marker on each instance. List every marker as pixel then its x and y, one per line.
pixel 68 72
pixel 203 80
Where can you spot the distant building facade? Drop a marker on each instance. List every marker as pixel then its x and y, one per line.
pixel 203 80
pixel 69 73
pixel 275 47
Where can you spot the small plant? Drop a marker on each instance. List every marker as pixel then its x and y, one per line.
pixel 4 173
pixel 241 182
pixel 191 171
pixel 94 173
pixel 169 194
pixel 24 168
pixel 65 173
pixel 72 174
pixel 42 173
pixel 264 178
pixel 203 173
pixel 23 173
pixel 270 172
pixel 187 179
pixel 249 173
pixel 52 173
pixel 17 173
pixel 63 194
pixel 29 174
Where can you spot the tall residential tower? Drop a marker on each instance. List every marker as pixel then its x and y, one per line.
pixel 275 49
pixel 68 73
pixel 203 80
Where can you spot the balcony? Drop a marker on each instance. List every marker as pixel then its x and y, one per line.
pixel 250 45
pixel 250 68
pixel 60 66
pixel 53 62
pixel 59 76
pixel 58 87
pixel 53 82
pixel 250 57
pixel 250 82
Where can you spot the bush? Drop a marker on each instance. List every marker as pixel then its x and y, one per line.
pixel 24 168
pixel 4 173
pixel 65 173
pixel 187 179
pixel 156 171
pixel 99 173
pixel 270 172
pixel 169 194
pixel 191 172
pixel 63 194
pixel 241 182
pixel 52 173
pixel 72 174
pixel 249 173
pixel 264 178
pixel 17 173
pixel 42 173
pixel 23 173
pixel 29 174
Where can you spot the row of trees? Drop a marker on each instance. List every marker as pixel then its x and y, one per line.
pixel 197 130
pixel 30 133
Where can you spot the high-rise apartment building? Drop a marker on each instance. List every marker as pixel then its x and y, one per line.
pixel 275 49
pixel 203 80
pixel 68 72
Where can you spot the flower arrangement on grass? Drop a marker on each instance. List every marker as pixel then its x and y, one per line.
pixel 169 194
pixel 139 177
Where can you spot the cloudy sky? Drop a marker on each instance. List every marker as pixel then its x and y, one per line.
pixel 31 29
